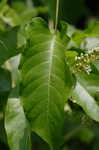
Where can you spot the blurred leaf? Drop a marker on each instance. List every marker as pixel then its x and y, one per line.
pixel 89 38
pixel 25 13
pixel 9 16
pixel 65 148
pixel 18 14
pixel 90 82
pixel 16 125
pixel 14 64
pixel 96 141
pixel 83 98
pixel 90 43
pixel 5 81
pixel 67 29
pixel 28 14
pixel 8 44
pixel 2 26
pixel 2 3
pixel 3 137
pixel 86 135
pixel 93 29
pixel 78 37
pixel 96 64
pixel 5 87
pixel 18 6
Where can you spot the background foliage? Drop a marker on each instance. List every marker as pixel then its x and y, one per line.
pixel 81 129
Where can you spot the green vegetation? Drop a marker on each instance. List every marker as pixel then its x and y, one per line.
pixel 49 76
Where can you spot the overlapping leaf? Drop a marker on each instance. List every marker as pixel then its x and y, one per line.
pixel 85 94
pixel 46 81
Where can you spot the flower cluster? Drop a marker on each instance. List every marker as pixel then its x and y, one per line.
pixel 83 62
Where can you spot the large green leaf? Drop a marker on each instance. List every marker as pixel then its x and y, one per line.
pixel 85 92
pixel 46 81
pixel 8 44
pixel 16 125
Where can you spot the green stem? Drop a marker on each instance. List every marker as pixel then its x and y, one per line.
pixel 29 3
pixel 57 13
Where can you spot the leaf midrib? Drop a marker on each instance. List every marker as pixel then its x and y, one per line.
pixel 50 70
